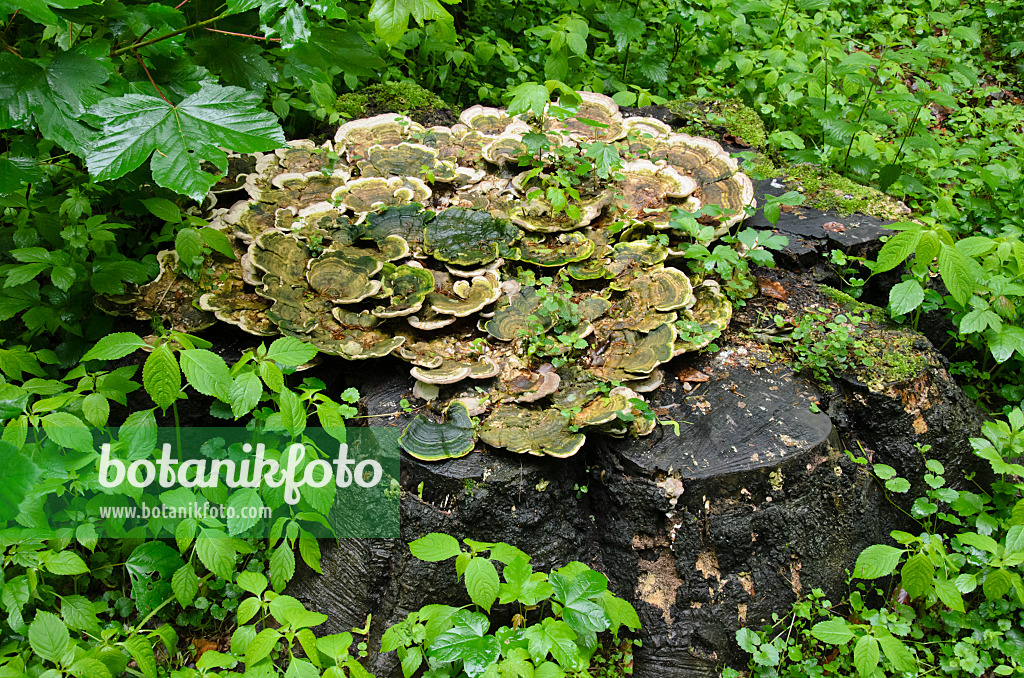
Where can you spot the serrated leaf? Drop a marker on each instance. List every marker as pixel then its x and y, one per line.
pixel 391 17
pixel 49 637
pixel 163 208
pixel 217 241
pixel 896 250
pixel 245 393
pixel 291 352
pixel 917 575
pixel 246 504
pixel 834 631
pixel 898 654
pixel 161 376
pixel 435 547
pixel 79 613
pixel 65 563
pixel 179 138
pixel 206 372
pixel 865 655
pixel 18 475
pixel 185 584
pixel 141 651
pixel 905 297
pixel 261 646
pixel 955 269
pixel 467 641
pixel 68 431
pixel 282 566
pixel 482 582
pixel 528 97
pixel 96 409
pixel 247 609
pixel 216 552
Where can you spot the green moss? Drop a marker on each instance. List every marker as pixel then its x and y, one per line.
pixel 709 116
pixel 825 190
pixel 389 97
pixel 892 351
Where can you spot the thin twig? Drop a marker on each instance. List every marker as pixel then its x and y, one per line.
pixel 178 6
pixel 9 24
pixel 140 45
pixel 150 76
pixel 241 35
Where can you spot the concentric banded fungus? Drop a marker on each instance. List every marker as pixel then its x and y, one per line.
pixel 407 287
pixel 467 297
pixel 706 320
pixel 625 354
pixel 597 118
pixel 436 441
pixel 647 188
pixel 468 237
pixel 367 194
pixel 555 250
pixel 388 129
pixel 406 160
pixel 343 278
pixel 525 431
pixel 357 256
pixel 519 316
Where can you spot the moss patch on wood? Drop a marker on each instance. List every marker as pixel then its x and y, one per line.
pixel 710 117
pixel 825 190
pixel 392 97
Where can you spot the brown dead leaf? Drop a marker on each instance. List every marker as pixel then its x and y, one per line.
pixel 773 289
pixel 202 645
pixel 834 226
pixel 691 374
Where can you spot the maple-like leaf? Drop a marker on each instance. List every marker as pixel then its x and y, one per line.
pixel 180 138
pixel 391 17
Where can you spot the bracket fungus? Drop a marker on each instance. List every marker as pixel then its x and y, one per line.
pixel 433 245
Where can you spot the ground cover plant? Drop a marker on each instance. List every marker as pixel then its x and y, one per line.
pixel 122 122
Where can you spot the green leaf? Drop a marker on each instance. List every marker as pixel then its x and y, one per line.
pixel 282 566
pixel 997 584
pixel 253 582
pixel 948 593
pixel 185 584
pixel 293 412
pixel 917 575
pixel 49 637
pixel 247 609
pixel 865 655
pixel 180 138
pixel 79 614
pixel 245 393
pixel 556 637
pixel 834 631
pixel 467 641
pixel 246 504
pixel 896 250
pixel 96 409
pixel 65 563
pixel 189 246
pixel 435 547
pixel 897 653
pixel 482 582
pixel 261 646
pixel 575 594
pixel 161 376
pixel 620 613
pixel 206 372
pixel 18 476
pixel 391 17
pixel 88 667
pixel 16 172
pixel 1004 342
pixel 60 95
pixel 528 96
pixel 68 431
pixel 163 209
pixel 217 553
pixel 955 269
pixel 905 297
pixel 291 352
pixel 217 241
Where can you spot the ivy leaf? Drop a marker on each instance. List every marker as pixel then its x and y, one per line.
pixel 391 17
pixel 179 138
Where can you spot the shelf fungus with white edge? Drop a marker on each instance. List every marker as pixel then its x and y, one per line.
pixel 439 248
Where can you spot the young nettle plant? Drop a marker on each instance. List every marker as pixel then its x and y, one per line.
pixel 555 617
